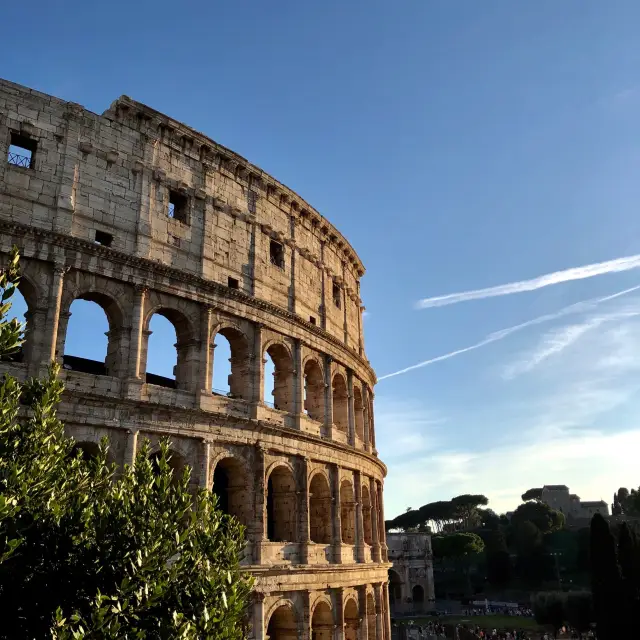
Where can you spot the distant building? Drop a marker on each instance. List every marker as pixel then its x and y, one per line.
pixel 411 588
pixel 557 497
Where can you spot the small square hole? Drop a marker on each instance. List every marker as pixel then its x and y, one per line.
pixel 312 320
pixel 104 238
pixel 22 151
pixel 276 254
pixel 178 206
pixel 337 295
pixel 175 241
pixel 233 283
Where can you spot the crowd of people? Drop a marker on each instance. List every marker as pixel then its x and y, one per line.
pixel 504 611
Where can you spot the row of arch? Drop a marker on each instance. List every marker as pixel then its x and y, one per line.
pixel 83 344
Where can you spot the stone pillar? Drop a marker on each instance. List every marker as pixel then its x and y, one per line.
pixel 131 447
pixel 303 508
pixel 50 343
pixel 259 632
pixel 328 397
pixel 206 364
pixel 380 621
pixel 257 370
pixel 339 635
pixel 364 614
pixel 260 504
pixel 351 409
pixel 372 428
pixel 205 478
pixel 298 383
pixel 357 480
pixel 306 616
pixel 336 515
pixel 36 336
pixel 366 417
pixel 137 328
pixel 385 611
pixel 375 547
pixel 381 530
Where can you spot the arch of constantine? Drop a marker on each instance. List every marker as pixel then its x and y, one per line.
pixel 143 216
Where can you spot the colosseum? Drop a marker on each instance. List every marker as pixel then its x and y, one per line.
pixel 141 215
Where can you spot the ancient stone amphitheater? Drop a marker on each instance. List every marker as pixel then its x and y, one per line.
pixel 142 215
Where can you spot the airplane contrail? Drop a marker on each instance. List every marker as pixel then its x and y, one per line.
pixel 577 307
pixel 576 273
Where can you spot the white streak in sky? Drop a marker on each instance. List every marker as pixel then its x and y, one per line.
pixel 575 273
pixel 578 307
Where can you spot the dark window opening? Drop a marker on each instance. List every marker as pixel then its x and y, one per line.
pixel 252 199
pixel 276 253
pixel 175 241
pixel 233 283
pixel 178 205
pixel 312 320
pixel 104 238
pixel 337 295
pixel 22 151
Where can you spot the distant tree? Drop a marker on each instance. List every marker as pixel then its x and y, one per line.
pixel 543 516
pixel 532 494
pixel 457 545
pixel 438 513
pixel 549 608
pixel 465 508
pixel 489 519
pixel 498 559
pixel 628 560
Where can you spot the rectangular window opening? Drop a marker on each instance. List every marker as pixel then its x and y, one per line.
pixel 22 151
pixel 178 206
pixel 233 283
pixel 104 238
pixel 337 295
pixel 276 253
pixel 175 241
pixel 312 320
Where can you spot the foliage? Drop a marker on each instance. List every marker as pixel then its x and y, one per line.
pixel 532 494
pixel 540 514
pixel 579 610
pixel 626 502
pixel 489 519
pixel 457 545
pixel 549 608
pixel 88 554
pixel 498 559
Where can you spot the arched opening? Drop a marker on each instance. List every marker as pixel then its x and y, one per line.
pixel 86 450
pixel 313 391
pixel 20 311
pixel 395 589
pixel 371 617
pixel 175 462
pixel 282 625
pixel 351 620
pixel 366 515
pixel 93 335
pixel 340 403
pixel 230 363
pixel 230 485
pixel 417 595
pixel 282 508
pixel 347 512
pixel 282 387
pixel 168 327
pixel 359 412
pixel 320 510
pixel 322 622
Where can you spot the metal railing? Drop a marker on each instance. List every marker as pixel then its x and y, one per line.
pixel 18 160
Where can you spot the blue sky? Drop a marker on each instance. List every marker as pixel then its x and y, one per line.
pixel 459 146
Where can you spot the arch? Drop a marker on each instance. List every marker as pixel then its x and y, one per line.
pixel 358 407
pixel 230 484
pixel 322 622
pixel 320 520
pixel 347 512
pixel 235 344
pixel 417 596
pixel 340 403
pixel 371 617
pixel 314 390
pixel 283 398
pixel 282 623
pixel 282 505
pixel 395 588
pixel 20 311
pixel 90 344
pixel 183 374
pixel 177 463
pixel 86 450
pixel 351 620
pixel 366 515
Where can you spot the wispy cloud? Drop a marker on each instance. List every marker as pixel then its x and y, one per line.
pixel 578 307
pixel 576 273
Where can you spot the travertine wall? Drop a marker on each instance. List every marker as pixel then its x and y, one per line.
pixel 88 203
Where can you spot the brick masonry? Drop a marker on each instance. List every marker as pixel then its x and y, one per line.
pixel 142 215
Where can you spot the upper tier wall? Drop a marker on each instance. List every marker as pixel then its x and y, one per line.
pixel 117 174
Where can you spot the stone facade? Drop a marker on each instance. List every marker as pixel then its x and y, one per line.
pixel 557 496
pixel 143 215
pixel 411 586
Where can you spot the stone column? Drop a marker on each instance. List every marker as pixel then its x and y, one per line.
pixel 137 328
pixel 53 314
pixel 131 447
pixel 372 429
pixel 380 621
pixel 303 506
pixel 36 336
pixel 259 632
pixel 260 504
pixel 381 530
pixel 328 397
pixel 206 364
pixel 359 519
pixel 364 613
pixel 385 610
pixel 205 478
pixel 366 418
pixel 306 616
pixel 375 547
pixel 298 383
pixel 336 515
pixel 257 370
pixel 351 409
pixel 339 635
